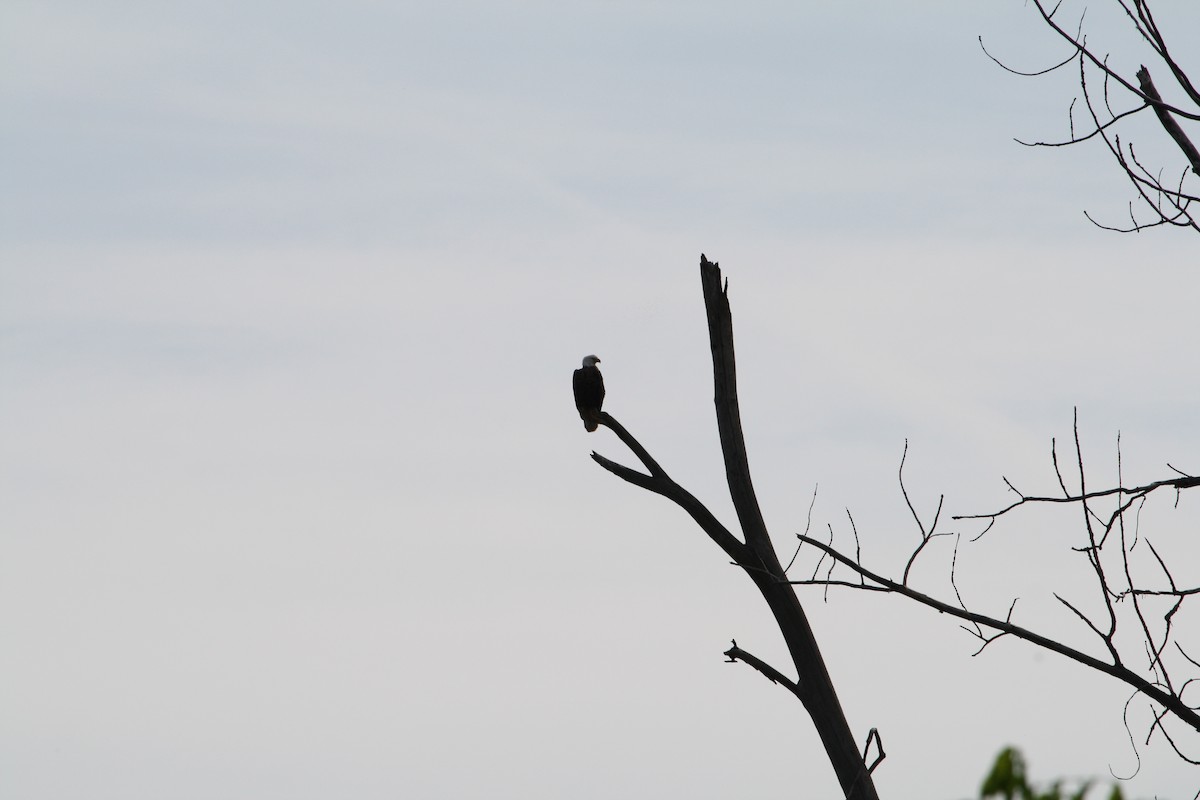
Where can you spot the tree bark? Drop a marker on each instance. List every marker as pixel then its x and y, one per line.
pixel 814 686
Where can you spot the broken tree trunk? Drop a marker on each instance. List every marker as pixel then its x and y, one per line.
pixel 754 552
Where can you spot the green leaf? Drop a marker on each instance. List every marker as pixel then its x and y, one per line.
pixel 1007 777
pixel 1083 790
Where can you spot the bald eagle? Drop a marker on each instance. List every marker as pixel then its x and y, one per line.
pixel 589 392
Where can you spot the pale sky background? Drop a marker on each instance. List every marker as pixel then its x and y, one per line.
pixel 295 501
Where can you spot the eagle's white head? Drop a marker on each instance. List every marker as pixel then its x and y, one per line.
pixel 590 361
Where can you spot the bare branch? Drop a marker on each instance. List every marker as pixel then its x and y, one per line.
pixel 874 734
pixel 1077 42
pixel 1168 122
pixel 1159 44
pixel 660 483
pixel 735 654
pixel 633 444
pixel 1138 491
pixel 1193 661
pixel 1164 592
pixel 1132 742
pixel 1096 132
pixel 1045 71
pixel 1117 670
pixel 926 535
pixel 1168 205
pixel 807 527
pixel 1106 637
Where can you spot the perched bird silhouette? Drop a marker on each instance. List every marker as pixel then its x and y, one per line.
pixel 589 392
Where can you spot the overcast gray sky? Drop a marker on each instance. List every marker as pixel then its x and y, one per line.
pixel 295 502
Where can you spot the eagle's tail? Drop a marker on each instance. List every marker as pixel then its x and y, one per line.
pixel 590 424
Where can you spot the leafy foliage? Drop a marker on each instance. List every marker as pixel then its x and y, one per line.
pixel 1009 779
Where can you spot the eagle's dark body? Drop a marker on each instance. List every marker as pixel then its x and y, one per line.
pixel 589 392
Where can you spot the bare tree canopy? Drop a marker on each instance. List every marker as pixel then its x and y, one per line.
pixel 1141 599
pixel 1112 96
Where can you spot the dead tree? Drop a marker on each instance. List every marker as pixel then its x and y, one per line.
pixel 755 554
pixel 1111 97
pixel 1141 600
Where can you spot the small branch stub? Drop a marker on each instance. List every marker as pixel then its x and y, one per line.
pixel 736 653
